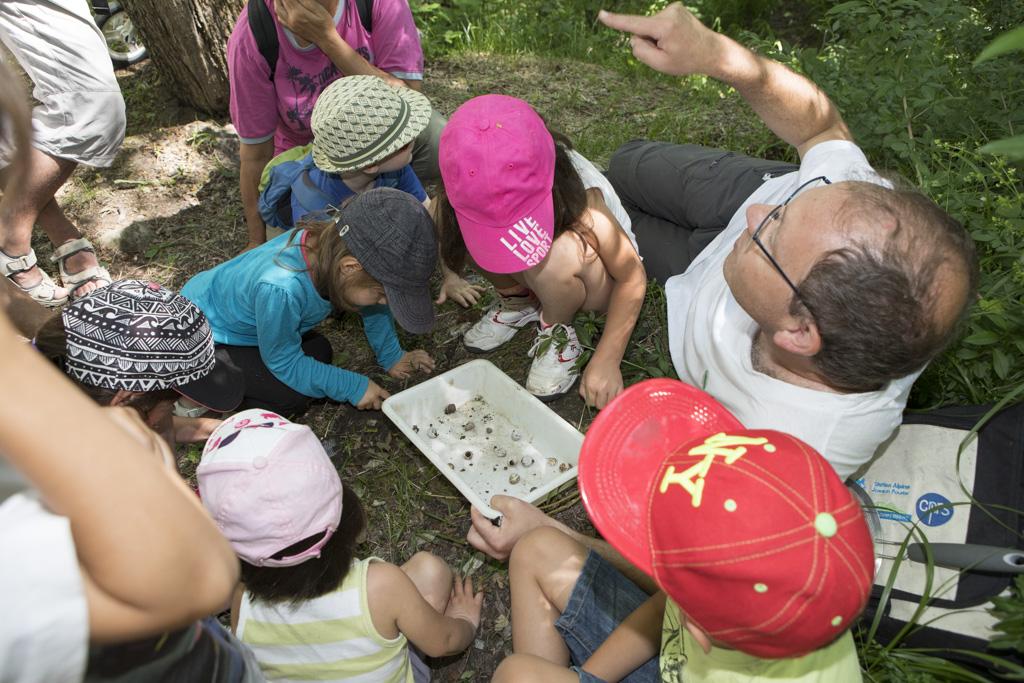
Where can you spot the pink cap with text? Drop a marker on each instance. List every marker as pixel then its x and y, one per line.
pixel 497 161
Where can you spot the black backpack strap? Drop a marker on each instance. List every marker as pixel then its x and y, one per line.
pixel 365 8
pixel 264 31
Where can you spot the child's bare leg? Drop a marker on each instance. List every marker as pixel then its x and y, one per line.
pixel 560 296
pixel 433 578
pixel 529 669
pixel 543 570
pixel 506 285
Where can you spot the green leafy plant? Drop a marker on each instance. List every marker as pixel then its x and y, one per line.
pixel 647 353
pixel 895 660
pixel 1008 42
pixel 1010 613
pixel 903 73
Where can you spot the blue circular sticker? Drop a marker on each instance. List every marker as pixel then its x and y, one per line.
pixel 934 509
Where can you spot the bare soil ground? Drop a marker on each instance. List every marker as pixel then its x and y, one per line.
pixel 169 208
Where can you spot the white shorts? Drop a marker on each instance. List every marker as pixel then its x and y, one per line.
pixel 81 112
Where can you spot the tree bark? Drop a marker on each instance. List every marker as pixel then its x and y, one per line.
pixel 187 40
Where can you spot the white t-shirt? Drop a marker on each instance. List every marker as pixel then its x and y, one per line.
pixel 44 631
pixel 710 338
pixel 592 177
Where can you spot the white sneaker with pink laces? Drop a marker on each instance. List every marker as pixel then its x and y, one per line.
pixel 554 370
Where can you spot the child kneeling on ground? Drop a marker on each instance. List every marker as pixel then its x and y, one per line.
pixel 307 607
pixel 550 234
pixel 761 556
pixel 373 257
pixel 363 132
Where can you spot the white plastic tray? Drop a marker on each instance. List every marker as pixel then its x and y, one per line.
pixel 490 411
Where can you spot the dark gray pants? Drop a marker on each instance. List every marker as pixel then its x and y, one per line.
pixel 424 151
pixel 679 197
pixel 262 388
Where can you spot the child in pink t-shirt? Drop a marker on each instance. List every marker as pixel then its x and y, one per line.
pixel 278 107
pixel 271 111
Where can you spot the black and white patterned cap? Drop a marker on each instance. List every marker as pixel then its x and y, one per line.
pixel 136 336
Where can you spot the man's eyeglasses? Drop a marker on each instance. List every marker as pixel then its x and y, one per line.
pixel 775 214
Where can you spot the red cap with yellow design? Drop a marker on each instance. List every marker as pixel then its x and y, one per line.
pixel 750 532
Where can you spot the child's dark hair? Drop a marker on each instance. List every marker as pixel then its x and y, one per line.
pixel 319 575
pixel 51 340
pixel 567 192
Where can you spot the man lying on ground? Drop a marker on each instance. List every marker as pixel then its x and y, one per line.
pixel 824 291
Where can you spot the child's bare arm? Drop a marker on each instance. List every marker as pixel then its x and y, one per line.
pixel 602 380
pixel 636 640
pixel 394 599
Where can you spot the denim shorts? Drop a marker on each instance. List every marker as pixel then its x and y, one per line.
pixel 601 600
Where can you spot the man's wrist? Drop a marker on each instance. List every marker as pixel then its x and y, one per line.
pixel 734 64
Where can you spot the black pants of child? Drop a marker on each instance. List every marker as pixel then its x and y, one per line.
pixel 679 197
pixel 262 389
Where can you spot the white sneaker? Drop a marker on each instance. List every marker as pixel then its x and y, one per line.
pixel 553 371
pixel 186 408
pixel 501 322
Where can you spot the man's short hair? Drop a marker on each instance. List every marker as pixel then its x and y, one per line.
pixel 877 306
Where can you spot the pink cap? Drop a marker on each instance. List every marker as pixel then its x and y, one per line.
pixel 268 484
pixel 498 164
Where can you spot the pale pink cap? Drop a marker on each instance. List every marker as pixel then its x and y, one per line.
pixel 497 160
pixel 268 484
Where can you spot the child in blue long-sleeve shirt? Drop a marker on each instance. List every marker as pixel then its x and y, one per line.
pixel 373 257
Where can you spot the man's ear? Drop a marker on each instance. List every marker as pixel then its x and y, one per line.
pixel 371 170
pixel 798 336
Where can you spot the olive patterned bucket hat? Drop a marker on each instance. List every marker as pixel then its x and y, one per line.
pixel 359 121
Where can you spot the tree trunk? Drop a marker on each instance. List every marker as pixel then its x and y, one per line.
pixel 187 40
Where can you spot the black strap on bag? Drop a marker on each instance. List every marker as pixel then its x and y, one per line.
pixel 261 23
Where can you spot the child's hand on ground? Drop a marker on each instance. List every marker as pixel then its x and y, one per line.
pixel 463 604
pixel 601 383
pixel 413 361
pixel 194 429
pixel 373 397
pixel 517 518
pixel 459 290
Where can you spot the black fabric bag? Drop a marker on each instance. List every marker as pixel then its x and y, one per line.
pixel 998 485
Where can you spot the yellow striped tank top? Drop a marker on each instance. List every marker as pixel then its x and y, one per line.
pixel 330 638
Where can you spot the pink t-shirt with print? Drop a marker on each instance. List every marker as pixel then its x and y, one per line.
pixel 262 109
